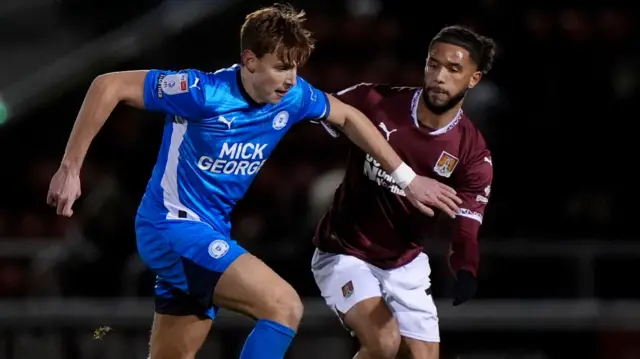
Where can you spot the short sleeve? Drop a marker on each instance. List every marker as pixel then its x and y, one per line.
pixel 179 93
pixel 315 103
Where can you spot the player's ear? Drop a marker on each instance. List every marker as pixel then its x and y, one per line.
pixel 475 78
pixel 249 60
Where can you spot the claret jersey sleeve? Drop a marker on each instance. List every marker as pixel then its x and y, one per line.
pixel 475 191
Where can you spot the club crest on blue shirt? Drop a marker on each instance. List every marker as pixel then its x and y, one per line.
pixel 280 121
pixel 218 248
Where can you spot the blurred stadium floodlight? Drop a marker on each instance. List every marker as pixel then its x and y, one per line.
pixel 4 114
pixel 168 18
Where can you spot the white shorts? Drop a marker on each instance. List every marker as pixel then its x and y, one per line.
pixel 345 281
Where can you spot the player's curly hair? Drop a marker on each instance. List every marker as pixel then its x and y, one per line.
pixel 279 30
pixel 481 49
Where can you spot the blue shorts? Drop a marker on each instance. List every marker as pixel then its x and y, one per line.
pixel 188 258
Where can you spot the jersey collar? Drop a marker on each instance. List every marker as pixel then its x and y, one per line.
pixel 414 115
pixel 243 91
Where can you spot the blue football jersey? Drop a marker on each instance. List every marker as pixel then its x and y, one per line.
pixel 216 139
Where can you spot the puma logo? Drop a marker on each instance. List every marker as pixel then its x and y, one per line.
pixel 195 84
pixel 386 131
pixel 225 121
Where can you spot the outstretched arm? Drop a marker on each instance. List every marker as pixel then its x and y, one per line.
pixel 420 190
pixel 365 135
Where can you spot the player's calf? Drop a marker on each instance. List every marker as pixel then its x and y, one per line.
pixel 376 329
pixel 177 337
pixel 248 286
pixel 417 349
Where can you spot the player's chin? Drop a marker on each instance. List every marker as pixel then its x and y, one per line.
pixel 275 98
pixel 438 102
pixel 438 98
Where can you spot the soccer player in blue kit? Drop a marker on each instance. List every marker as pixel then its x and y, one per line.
pixel 219 130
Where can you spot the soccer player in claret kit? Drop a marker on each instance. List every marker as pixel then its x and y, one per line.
pixel 219 129
pixel 369 263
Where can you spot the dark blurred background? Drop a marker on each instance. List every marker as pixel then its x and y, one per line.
pixel 559 250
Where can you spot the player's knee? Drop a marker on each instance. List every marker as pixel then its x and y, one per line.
pixel 285 307
pixel 383 345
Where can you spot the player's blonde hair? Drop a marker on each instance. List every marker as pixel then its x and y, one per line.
pixel 278 30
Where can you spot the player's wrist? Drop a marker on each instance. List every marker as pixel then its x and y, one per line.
pixel 70 166
pixel 403 175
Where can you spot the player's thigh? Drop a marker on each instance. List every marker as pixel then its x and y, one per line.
pixel 408 294
pixel 353 293
pixel 375 327
pixel 417 349
pixel 249 286
pixel 177 337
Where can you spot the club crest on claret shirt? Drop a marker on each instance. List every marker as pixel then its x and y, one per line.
pixel 347 289
pixel 446 164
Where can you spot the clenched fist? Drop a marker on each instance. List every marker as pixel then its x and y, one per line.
pixel 64 190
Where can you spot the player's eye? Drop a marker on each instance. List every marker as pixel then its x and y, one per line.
pixel 284 67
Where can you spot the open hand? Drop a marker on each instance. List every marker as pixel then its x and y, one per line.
pixel 424 192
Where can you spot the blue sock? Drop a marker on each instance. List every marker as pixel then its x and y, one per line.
pixel 268 340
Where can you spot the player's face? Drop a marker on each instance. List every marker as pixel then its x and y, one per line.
pixel 271 78
pixel 449 73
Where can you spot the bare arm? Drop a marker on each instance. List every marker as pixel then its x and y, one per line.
pixel 103 95
pixel 154 90
pixel 418 189
pixel 364 134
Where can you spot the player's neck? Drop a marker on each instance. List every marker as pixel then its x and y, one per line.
pixel 435 121
pixel 247 88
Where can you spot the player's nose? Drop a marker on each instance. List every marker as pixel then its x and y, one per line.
pixel 290 80
pixel 440 76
